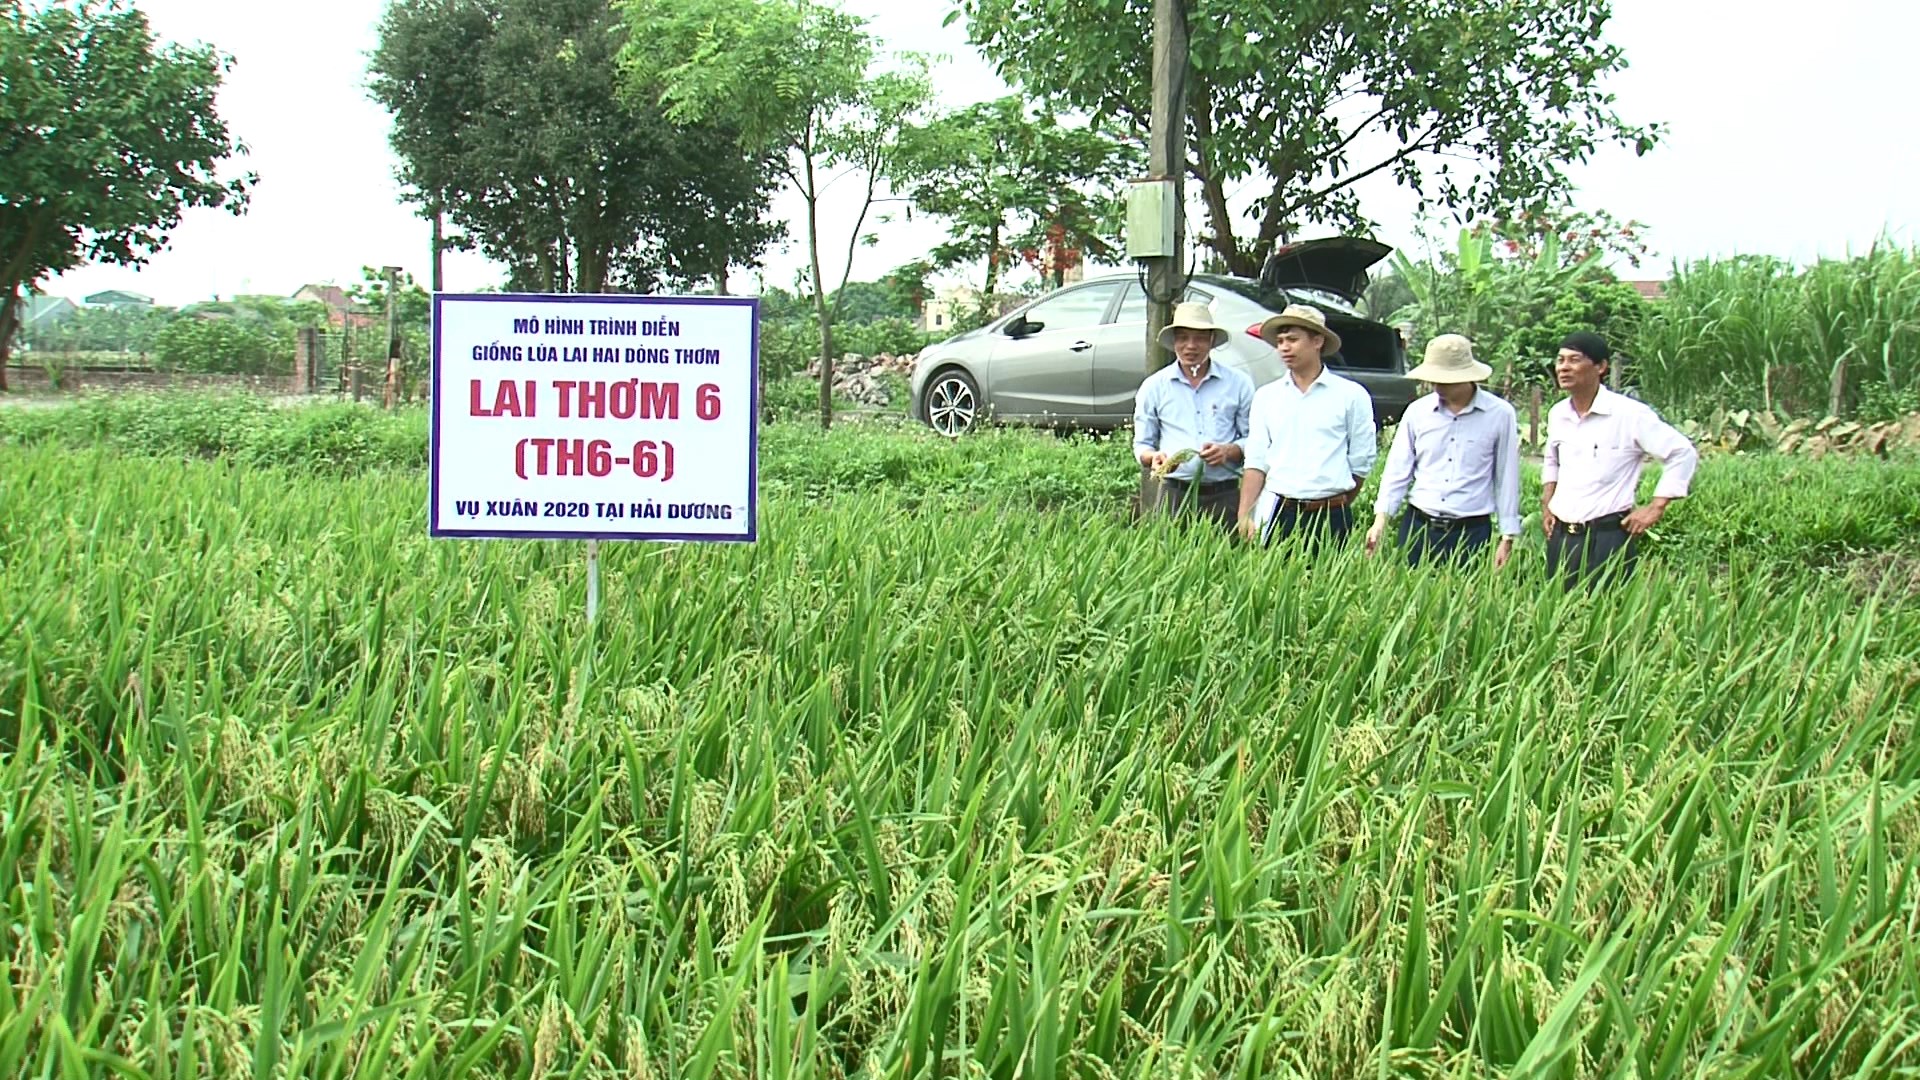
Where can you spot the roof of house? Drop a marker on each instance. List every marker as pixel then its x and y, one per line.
pixel 1652 290
pixel 119 296
pixel 333 296
pixel 44 307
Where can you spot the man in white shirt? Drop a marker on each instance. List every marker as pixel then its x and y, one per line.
pixel 1192 404
pixel 1455 461
pixel 1310 440
pixel 1597 443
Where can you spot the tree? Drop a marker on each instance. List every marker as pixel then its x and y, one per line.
pixel 1008 182
pixel 105 329
pixel 793 77
pixel 506 117
pixel 1311 98
pixel 869 301
pixel 907 286
pixel 1517 301
pixel 106 138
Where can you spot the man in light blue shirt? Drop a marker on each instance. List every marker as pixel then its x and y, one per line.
pixel 1455 462
pixel 1192 404
pixel 1310 439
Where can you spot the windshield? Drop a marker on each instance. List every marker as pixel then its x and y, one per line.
pixel 1276 300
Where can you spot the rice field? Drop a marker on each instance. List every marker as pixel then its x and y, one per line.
pixel 980 786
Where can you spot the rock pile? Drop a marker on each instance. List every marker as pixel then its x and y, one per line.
pixel 856 378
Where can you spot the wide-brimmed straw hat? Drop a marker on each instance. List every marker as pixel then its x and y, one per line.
pixel 1192 316
pixel 1450 360
pixel 1304 317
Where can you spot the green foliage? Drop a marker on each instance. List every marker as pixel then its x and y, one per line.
pixel 1592 301
pixel 333 438
pixel 1815 512
pixel 109 138
pixel 1010 182
pixel 412 319
pixel 248 335
pixel 868 301
pixel 788 345
pixel 907 287
pixel 790 396
pixel 509 115
pixel 1284 94
pixel 1753 329
pixel 103 330
pixel 894 337
pixel 782 69
pixel 220 344
pixel 1514 303
pixel 777 303
pixel 793 77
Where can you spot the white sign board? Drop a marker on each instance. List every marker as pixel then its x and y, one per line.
pixel 594 417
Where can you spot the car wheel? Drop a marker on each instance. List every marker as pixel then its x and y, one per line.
pixel 951 403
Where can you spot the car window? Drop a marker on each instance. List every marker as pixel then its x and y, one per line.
pixel 1276 299
pixel 1133 306
pixel 1075 309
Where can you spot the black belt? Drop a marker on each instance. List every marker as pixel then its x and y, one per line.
pixel 1314 506
pixel 1446 523
pixel 1606 521
pixel 1205 485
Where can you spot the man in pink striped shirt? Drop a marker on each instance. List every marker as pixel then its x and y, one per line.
pixel 1597 443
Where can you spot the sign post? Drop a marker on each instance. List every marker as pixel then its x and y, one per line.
pixel 594 417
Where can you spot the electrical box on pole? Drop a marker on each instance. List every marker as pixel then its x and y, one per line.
pixel 1152 228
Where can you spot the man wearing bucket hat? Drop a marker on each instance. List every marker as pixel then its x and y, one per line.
pixel 1196 405
pixel 1455 461
pixel 1597 443
pixel 1310 440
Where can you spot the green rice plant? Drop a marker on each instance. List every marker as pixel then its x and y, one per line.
pixel 287 788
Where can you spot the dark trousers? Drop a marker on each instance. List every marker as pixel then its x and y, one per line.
pixel 1218 502
pixel 1313 526
pixel 1578 553
pixel 1431 539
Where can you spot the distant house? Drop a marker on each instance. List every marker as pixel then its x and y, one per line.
pixel 119 298
pixel 42 312
pixel 1652 290
pixel 40 315
pixel 340 309
pixel 938 313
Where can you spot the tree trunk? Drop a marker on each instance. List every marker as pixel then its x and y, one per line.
pixel 993 270
pixel 439 246
pixel 9 322
pixel 590 267
pixel 1212 191
pixel 812 196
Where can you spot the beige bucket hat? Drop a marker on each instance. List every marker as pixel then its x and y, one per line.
pixel 1192 316
pixel 1304 317
pixel 1450 360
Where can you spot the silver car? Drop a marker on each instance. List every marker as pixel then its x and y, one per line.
pixel 1076 356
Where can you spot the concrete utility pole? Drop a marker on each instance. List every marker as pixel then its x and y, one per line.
pixel 392 395
pixel 1167 160
pixel 439 245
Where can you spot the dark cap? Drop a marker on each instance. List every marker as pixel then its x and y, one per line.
pixel 1589 344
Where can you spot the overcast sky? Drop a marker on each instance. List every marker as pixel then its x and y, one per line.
pixel 1792 133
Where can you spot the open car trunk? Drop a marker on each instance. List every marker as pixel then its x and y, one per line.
pixel 1337 264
